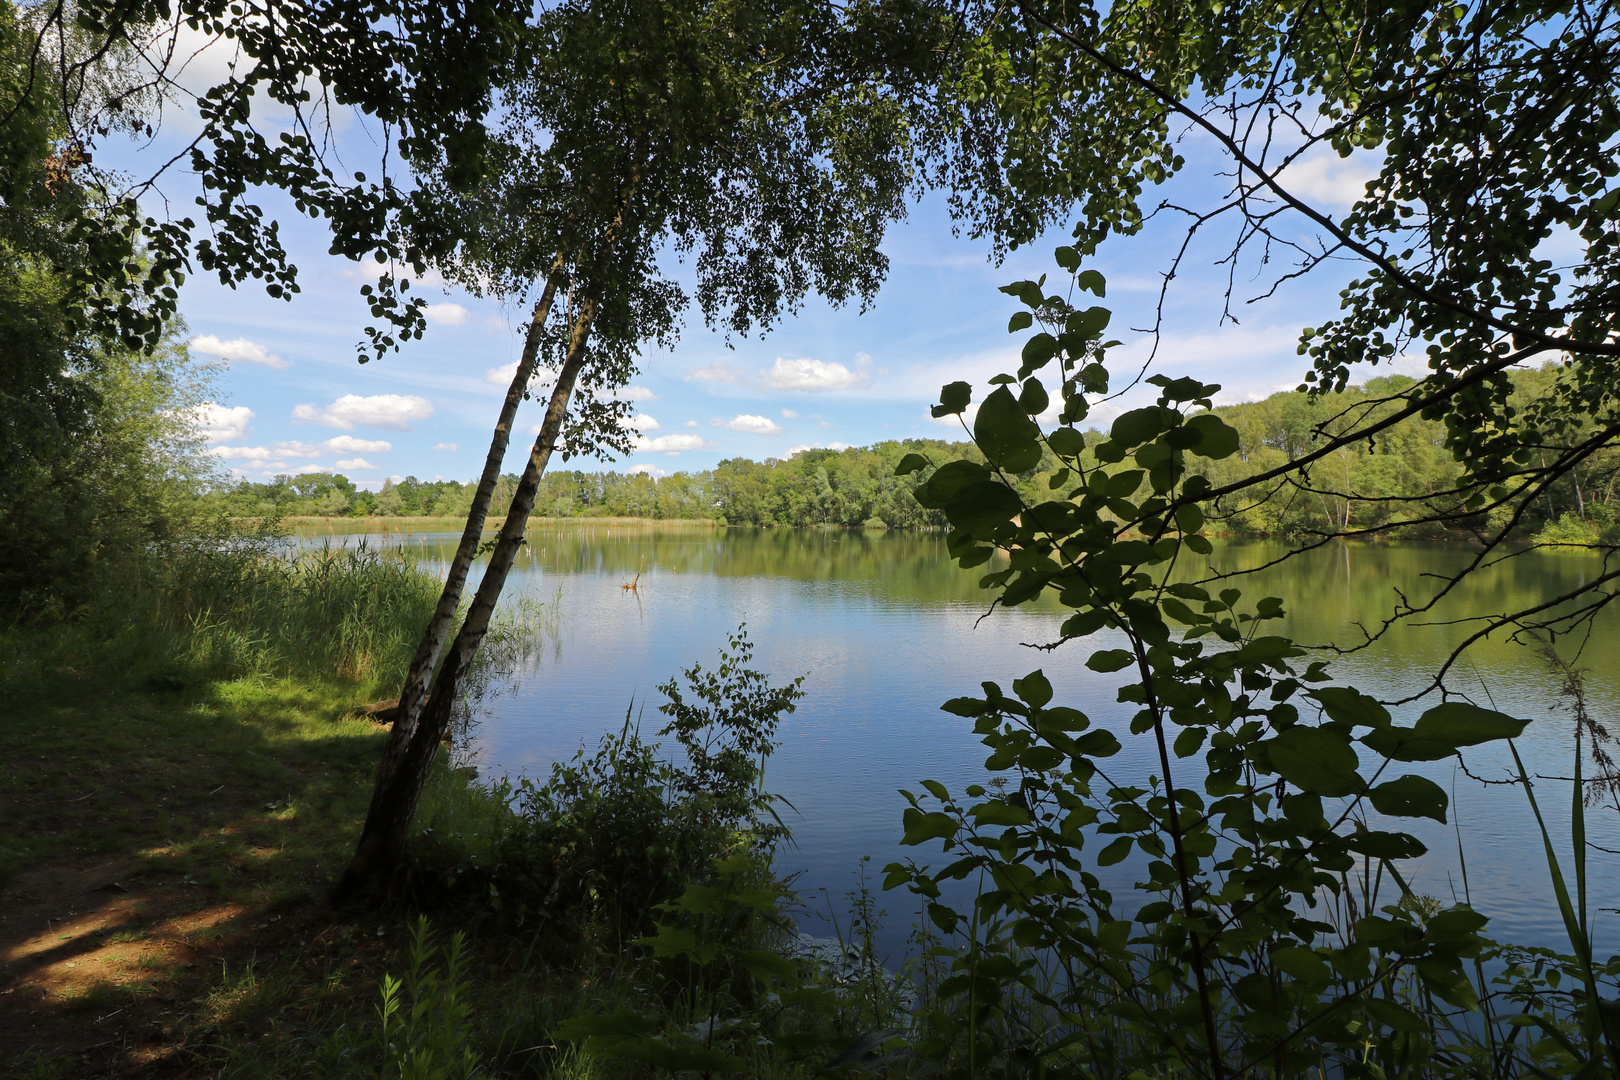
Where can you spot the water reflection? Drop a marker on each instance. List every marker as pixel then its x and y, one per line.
pixel 886 627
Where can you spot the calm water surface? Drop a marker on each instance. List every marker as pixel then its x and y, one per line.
pixel 885 627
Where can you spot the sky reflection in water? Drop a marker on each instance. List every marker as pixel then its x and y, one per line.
pixel 885 628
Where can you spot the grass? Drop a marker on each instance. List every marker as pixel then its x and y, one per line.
pixel 186 782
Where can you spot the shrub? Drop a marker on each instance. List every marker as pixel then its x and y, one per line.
pixel 610 836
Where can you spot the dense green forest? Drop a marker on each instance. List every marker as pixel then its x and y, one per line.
pixel 1406 471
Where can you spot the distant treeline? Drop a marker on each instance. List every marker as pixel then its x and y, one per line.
pixel 1370 485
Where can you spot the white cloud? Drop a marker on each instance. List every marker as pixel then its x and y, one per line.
pixel 305 470
pixel 824 423
pixel 801 448
pixel 651 470
pixel 953 421
pixel 236 350
pixel 447 446
pixel 789 414
pixel 718 372
pixel 354 463
pixel 501 376
pixel 216 423
pixel 379 410
pixel 691 423
pixel 243 453
pixel 637 393
pixel 638 422
pixel 348 444
pixel 447 314
pixel 812 376
pixel 754 425
pixel 1327 178
pixel 369 269
pixel 266 457
pixel 668 444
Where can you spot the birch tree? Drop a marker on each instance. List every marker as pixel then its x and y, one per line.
pixel 768 143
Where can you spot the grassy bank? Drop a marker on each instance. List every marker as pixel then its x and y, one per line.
pixel 188 778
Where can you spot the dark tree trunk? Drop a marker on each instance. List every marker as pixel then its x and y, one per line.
pixel 379 857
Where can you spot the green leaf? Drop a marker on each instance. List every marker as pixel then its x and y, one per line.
pixel 1319 760
pixel 921 828
pixel 1351 707
pixel 1114 852
pixel 1189 741
pixel 1091 281
pixel 1140 425
pixel 983 505
pixel 1110 660
pixel 1021 320
pixel 1395 1016
pixel 1038 352
pixel 1008 438
pixel 954 398
pixel 1033 400
pixel 1066 441
pixel 910 464
pixel 996 812
pixel 1385 845
pixel 1068 258
pixel 1099 743
pixel 1122 484
pixel 1033 689
pixel 947 480
pixel 1219 440
pixel 1410 796
pixel 1302 963
pixel 1457 723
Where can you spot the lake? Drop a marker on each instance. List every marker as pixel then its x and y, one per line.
pixel 885 627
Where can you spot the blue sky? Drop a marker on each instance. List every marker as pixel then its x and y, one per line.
pixel 292 398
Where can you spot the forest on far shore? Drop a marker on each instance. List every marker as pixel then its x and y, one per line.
pixel 857 487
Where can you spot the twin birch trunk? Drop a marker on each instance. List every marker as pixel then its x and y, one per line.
pixel 427 701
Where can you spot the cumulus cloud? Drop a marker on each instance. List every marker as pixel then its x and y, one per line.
pixel 668 444
pixel 638 422
pixel 348 444
pixel 651 470
pixel 354 463
pixel 501 376
pixel 1327 178
pixel 236 350
pixel 266 457
pixel 447 446
pixel 637 393
pixel 394 411
pixel 812 376
pixel 446 314
pixel 789 414
pixel 305 470
pixel 243 453
pixel 753 425
pixel 802 447
pixel 218 424
pixel 691 423
pixel 717 372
